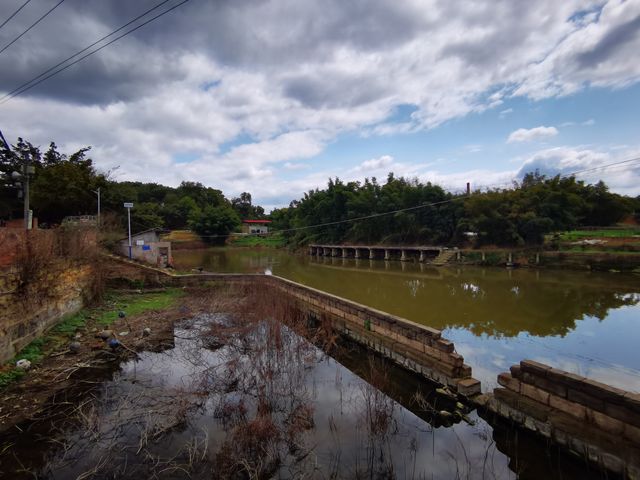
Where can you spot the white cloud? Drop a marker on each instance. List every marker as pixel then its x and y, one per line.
pixel 258 75
pixel 295 166
pixel 531 134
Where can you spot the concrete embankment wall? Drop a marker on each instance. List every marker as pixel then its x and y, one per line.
pixel 416 347
pixel 26 313
pixel 592 419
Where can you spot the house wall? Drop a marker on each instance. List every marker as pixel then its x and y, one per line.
pixel 254 228
pixel 147 253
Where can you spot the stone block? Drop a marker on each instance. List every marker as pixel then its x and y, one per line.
pixel 605 422
pixel 570 408
pixel 632 400
pixel 507 381
pixel 445 345
pixel 571 380
pixel 585 399
pixel 464 371
pixel 516 371
pixel 534 393
pixel 603 391
pixel 551 386
pixel 469 387
pixel 534 367
pixel 623 414
pixel 632 433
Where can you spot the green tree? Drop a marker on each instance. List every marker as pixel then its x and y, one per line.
pixel 214 223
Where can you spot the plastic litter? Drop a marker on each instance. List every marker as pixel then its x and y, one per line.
pixel 23 364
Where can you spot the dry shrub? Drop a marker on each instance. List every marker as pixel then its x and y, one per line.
pixel 251 451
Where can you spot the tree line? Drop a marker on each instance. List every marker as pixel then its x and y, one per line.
pixel 423 213
pixel 66 185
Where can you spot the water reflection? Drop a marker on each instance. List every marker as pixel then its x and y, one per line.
pixel 586 322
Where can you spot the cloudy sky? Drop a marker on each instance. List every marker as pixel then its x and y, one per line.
pixel 274 97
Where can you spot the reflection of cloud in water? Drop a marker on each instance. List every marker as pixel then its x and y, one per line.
pixel 614 375
pixel 499 361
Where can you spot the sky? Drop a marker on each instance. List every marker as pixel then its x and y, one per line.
pixel 275 97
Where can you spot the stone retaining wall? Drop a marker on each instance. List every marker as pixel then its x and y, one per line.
pixel 594 420
pixel 25 316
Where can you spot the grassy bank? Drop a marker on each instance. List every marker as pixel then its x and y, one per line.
pixel 271 241
pixel 100 316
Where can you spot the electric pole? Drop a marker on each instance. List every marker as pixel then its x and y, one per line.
pixel 97 192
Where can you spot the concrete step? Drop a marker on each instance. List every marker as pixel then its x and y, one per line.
pixel 444 257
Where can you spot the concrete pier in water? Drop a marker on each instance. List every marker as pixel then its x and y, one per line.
pixel 431 254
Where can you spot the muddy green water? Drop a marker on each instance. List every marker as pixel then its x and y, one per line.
pixel 583 322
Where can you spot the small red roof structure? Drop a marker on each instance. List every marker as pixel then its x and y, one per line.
pixel 256 221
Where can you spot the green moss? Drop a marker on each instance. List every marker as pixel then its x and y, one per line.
pixel 135 304
pixel 10 376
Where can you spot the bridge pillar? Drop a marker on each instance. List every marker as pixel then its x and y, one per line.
pixel 357 253
pixel 334 252
pixel 458 255
pixel 422 256
pixel 326 252
pixel 372 254
pixel 387 254
pixel 403 255
pixel 345 253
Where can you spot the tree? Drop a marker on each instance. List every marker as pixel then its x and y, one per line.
pixel 65 186
pixel 214 223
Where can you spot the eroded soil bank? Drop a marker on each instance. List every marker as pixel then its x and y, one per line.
pixel 222 388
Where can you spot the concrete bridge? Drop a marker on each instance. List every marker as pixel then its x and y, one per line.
pixel 433 254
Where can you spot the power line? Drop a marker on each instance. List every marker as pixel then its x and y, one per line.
pixel 32 25
pixel 93 52
pixel 392 212
pixel 14 13
pixel 17 89
pixel 600 167
pixel 376 215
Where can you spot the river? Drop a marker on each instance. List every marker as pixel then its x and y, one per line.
pixel 583 322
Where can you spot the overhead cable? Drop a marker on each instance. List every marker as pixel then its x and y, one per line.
pixel 14 13
pixel 32 25
pixel 56 72
pixel 17 91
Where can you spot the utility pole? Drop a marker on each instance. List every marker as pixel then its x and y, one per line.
pixel 129 206
pixel 27 223
pixel 97 192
